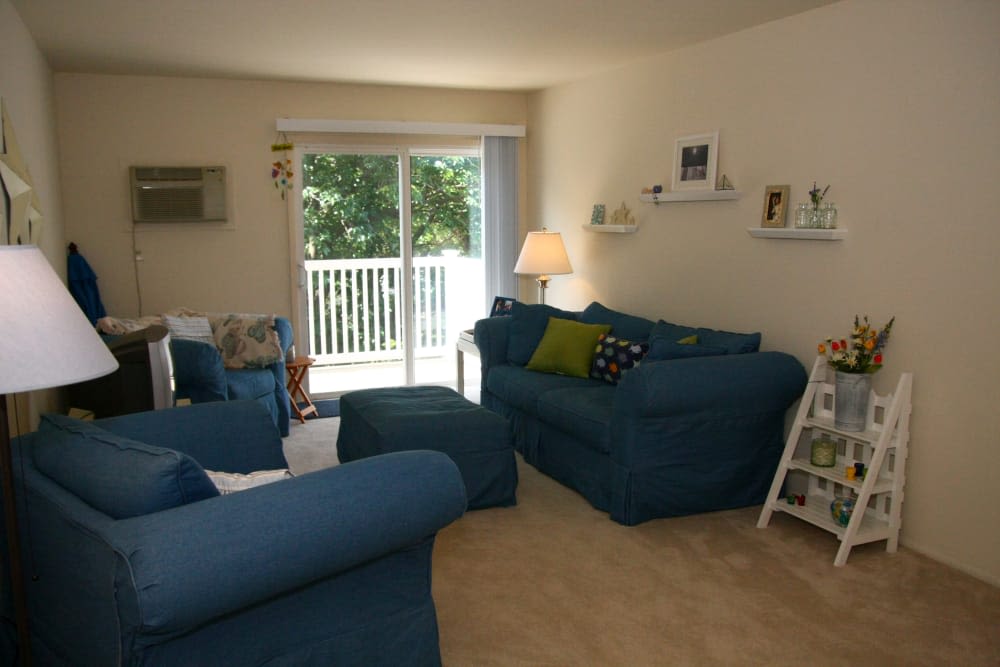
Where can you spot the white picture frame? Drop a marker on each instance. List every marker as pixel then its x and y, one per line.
pixel 696 159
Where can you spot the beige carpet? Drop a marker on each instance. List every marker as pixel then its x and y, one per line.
pixel 554 582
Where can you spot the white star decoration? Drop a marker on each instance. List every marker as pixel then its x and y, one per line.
pixel 25 222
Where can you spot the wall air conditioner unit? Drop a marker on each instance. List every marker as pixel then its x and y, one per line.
pixel 178 194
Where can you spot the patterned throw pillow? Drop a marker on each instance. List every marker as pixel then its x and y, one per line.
pixel 614 356
pixel 190 328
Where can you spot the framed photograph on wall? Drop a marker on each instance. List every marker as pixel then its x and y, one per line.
pixel 775 206
pixel 695 162
pixel 501 306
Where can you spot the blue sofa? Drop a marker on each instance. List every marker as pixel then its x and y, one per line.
pixel 694 427
pixel 138 560
pixel 200 376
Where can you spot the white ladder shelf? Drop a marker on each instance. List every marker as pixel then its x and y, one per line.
pixel 881 447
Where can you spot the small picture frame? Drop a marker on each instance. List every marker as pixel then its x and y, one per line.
pixel 501 306
pixel 695 162
pixel 775 206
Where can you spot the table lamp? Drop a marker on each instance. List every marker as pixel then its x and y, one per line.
pixel 542 254
pixel 46 342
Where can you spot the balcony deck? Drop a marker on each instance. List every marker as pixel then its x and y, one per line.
pixel 332 381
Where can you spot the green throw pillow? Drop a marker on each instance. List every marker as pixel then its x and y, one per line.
pixel 567 347
pixel 689 340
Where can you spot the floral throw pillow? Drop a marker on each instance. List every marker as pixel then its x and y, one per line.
pixel 613 357
pixel 246 341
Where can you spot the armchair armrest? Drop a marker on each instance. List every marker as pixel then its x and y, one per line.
pixel 249 440
pixel 190 564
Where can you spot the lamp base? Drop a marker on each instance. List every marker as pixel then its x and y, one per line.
pixel 543 283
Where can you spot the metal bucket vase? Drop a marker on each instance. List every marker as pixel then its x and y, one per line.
pixel 850 405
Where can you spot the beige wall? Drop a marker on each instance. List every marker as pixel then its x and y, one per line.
pixel 897 105
pixel 107 123
pixel 26 89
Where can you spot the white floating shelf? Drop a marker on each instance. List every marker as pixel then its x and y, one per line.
pixel 838 234
pixel 612 229
pixel 690 195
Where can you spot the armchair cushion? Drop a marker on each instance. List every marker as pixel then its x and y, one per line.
pixel 198 371
pixel 120 477
pixel 247 341
pixel 189 328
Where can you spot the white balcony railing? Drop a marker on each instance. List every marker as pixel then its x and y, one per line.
pixel 355 315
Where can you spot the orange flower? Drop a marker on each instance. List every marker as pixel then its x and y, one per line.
pixel 821 348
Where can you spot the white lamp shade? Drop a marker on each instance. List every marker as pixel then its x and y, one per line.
pixel 46 340
pixel 543 253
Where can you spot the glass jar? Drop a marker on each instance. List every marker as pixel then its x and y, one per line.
pixel 803 216
pixel 828 216
pixel 824 452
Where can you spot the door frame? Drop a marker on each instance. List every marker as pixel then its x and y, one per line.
pixel 296 231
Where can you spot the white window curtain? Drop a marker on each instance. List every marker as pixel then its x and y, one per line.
pixel 500 221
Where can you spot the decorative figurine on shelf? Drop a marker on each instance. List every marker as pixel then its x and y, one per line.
pixel 657 189
pixel 597 216
pixel 726 184
pixel 622 216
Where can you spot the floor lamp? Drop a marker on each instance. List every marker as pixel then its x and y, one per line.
pixel 46 342
pixel 542 254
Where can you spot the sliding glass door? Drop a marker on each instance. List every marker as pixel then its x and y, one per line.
pixel 391 266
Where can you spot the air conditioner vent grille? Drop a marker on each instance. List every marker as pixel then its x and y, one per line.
pixel 178 194
pixel 170 204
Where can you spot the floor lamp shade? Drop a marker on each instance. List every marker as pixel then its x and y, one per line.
pixel 543 254
pixel 47 340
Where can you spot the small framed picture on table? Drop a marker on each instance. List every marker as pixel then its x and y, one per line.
pixel 501 306
pixel 775 206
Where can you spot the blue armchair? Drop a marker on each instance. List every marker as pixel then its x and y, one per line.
pixel 138 560
pixel 199 375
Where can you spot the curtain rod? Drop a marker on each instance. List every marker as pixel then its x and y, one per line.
pixel 398 127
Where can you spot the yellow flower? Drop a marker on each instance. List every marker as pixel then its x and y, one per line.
pixel 822 348
pixel 870 344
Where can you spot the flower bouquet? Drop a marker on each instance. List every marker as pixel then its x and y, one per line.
pixel 855 362
pixel 863 353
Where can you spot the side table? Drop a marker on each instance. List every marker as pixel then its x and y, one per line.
pixel 297 369
pixel 466 344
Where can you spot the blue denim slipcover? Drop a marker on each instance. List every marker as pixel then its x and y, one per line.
pixel 328 568
pixel 674 437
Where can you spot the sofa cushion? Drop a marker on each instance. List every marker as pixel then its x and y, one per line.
pixel 198 371
pixel 623 325
pixel 567 347
pixel 520 388
pixel 527 326
pixel 710 341
pixel 614 356
pixel 661 348
pixel 585 412
pixel 117 476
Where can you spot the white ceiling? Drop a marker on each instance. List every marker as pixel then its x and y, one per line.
pixel 496 44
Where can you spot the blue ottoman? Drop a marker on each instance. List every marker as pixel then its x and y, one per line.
pixel 379 421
